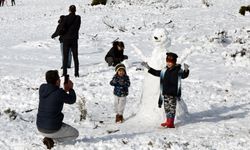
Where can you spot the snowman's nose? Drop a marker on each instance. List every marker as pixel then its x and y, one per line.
pixel 156 37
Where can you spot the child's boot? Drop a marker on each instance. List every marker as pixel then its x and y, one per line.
pixel 170 122
pixel 117 118
pixel 164 124
pixel 121 117
pixel 48 142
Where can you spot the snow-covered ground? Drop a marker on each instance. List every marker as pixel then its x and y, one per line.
pixel 217 92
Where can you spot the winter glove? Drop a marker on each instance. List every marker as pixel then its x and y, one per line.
pixel 145 64
pixel 186 67
pixel 125 57
pixel 53 36
pixel 110 61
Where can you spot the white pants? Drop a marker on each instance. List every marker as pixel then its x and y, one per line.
pixel 120 103
pixel 66 133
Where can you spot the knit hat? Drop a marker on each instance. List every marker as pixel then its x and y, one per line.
pixel 171 57
pixel 120 66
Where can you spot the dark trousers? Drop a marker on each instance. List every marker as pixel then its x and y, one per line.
pixel 170 105
pixel 70 44
pixel 1 2
pixel 13 2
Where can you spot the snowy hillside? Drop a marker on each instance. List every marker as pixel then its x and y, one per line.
pixel 213 40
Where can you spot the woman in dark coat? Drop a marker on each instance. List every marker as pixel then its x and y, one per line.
pixel 57 33
pixel 115 54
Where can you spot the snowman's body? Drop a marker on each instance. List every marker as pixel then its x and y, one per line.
pixel 149 111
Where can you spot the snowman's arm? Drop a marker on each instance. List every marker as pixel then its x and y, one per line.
pixel 184 55
pixel 154 72
pixel 139 53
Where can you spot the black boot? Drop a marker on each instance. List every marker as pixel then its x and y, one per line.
pixel 117 118
pixel 121 118
pixel 48 142
pixel 77 75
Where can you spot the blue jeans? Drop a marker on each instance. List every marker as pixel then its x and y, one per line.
pixel 70 55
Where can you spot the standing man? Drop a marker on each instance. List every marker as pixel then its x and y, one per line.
pixel 55 34
pixel 50 117
pixel 70 34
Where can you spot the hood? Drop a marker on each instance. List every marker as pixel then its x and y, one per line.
pixel 46 89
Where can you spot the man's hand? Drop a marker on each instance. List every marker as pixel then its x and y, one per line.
pixel 68 86
pixel 53 36
pixel 145 64
pixel 125 57
pixel 186 67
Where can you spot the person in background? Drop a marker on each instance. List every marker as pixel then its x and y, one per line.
pixel 55 34
pixel 70 35
pixel 115 54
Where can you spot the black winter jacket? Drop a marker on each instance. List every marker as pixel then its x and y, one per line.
pixel 51 100
pixel 116 55
pixel 170 80
pixel 71 24
pixel 57 32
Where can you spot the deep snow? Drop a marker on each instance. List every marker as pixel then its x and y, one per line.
pixel 217 91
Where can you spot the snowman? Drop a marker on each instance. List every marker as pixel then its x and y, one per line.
pixel 149 113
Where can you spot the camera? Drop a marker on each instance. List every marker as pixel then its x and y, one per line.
pixel 66 79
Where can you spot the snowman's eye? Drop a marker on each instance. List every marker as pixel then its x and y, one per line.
pixel 161 36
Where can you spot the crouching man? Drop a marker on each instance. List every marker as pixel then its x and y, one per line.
pixel 50 117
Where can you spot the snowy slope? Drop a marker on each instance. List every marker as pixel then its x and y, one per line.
pixel 217 91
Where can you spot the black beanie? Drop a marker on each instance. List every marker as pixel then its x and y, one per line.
pixel 172 56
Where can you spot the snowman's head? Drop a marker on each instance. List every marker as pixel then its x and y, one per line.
pixel 161 37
